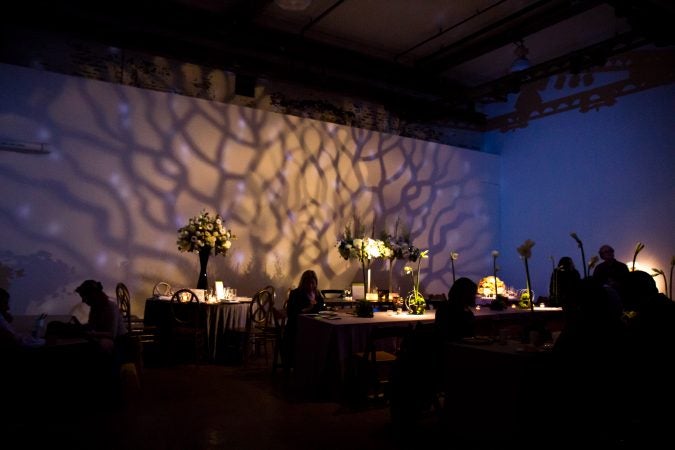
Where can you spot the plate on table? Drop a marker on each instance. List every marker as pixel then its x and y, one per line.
pixel 229 301
pixel 477 340
pixel 327 314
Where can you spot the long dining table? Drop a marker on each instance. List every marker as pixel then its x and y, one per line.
pixel 325 344
pixel 224 322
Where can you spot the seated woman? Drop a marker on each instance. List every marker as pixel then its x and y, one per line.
pixel 305 299
pixel 454 318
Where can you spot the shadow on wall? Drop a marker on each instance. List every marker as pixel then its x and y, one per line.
pixel 643 70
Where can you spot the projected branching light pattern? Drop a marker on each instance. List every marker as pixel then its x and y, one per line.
pixel 128 167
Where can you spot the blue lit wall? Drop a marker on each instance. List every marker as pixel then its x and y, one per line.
pixel 606 174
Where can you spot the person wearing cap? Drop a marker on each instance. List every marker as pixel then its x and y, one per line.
pixel 105 323
pixel 106 329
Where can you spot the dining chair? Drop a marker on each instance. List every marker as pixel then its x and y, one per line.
pixel 374 366
pixel 187 330
pixel 162 289
pixel 278 359
pixel 261 329
pixel 132 321
pixel 141 336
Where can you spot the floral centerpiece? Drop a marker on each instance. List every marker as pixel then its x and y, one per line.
pixel 453 258
pixel 525 252
pixel 666 283
pixel 365 249
pixel 638 248
pixel 592 263
pixel 202 234
pixel 498 303
pixel 398 247
pixel 487 289
pixel 583 257
pixel 415 301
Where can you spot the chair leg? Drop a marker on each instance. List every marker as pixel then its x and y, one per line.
pixel 277 361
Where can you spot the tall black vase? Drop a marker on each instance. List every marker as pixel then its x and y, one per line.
pixel 203 281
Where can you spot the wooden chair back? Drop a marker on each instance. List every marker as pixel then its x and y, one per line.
pixel 188 331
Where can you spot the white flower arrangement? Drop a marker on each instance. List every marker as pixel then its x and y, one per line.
pixel 203 231
pixel 361 248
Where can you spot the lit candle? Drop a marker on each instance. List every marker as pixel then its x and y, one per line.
pixel 220 291
pixel 513 306
pixel 477 307
pixel 542 305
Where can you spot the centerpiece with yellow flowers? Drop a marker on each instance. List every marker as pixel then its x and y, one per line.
pixel 525 252
pixel 204 234
pixel 415 300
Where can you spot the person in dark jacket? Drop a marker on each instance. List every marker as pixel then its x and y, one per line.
pixel 454 318
pixel 564 281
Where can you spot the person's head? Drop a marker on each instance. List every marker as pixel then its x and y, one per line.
pixel 641 284
pixel 606 253
pixel 463 291
pixel 309 281
pixel 566 263
pixel 90 290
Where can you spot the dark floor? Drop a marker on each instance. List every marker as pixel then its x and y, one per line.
pixel 195 407
pixel 202 407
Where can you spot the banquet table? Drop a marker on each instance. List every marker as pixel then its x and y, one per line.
pixel 490 322
pixel 325 344
pixel 224 322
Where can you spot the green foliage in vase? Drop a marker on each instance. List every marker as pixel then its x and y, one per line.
pixel 415 300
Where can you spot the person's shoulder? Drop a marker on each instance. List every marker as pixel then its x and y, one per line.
pixel 620 264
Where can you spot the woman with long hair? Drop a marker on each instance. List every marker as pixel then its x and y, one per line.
pixel 305 299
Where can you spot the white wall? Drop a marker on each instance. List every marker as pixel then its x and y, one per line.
pixel 607 174
pixel 128 167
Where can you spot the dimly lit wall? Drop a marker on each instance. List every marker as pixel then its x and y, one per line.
pixel 127 167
